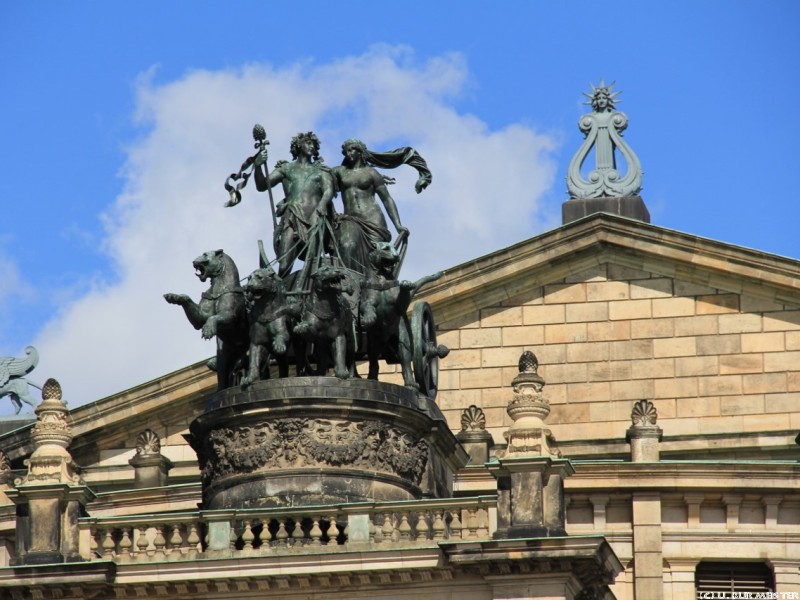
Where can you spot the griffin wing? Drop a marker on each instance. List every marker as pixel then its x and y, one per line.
pixel 16 367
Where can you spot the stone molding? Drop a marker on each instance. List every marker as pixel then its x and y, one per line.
pixel 588 561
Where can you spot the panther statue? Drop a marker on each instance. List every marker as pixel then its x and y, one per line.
pixel 326 321
pixel 382 311
pixel 221 312
pixel 270 315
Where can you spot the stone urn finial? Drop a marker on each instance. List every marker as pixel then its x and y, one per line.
pixel 51 462
pixel 529 408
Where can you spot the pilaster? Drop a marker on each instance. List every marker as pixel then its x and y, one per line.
pixel 648 583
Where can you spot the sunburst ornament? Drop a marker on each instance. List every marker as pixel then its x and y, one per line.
pixel 602 98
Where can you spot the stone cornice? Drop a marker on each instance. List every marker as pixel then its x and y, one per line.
pixel 587 559
pixel 257 587
pixel 603 238
pixel 703 444
pixel 140 501
pixel 684 475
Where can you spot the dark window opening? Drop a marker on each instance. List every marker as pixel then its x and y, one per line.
pixel 733 577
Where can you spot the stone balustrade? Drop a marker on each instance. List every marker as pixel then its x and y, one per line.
pixel 305 529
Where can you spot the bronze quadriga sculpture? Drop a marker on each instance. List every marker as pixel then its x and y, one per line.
pixel 311 438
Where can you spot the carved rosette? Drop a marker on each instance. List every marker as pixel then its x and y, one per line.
pixel 302 443
pixel 528 409
pixel 50 462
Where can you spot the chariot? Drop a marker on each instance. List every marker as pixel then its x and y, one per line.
pixel 403 332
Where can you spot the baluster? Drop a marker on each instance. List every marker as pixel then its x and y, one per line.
pixel 141 542
pixel 404 529
pixel 93 548
pixel 125 543
pixel 176 543
pixel 439 526
pixel 472 523
pixel 388 528
pixel 193 539
pixel 296 532
pixel 455 525
pixel 376 533
pixel 108 543
pixel 160 541
pixel 281 536
pixel 316 532
pixel 247 535
pixel 265 535
pixel 422 527
pixel 234 536
pixel 333 531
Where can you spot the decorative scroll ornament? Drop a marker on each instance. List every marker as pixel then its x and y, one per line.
pixel 603 129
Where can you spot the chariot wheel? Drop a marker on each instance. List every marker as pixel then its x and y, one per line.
pixel 425 352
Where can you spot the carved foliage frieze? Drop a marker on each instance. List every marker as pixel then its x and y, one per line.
pixel 301 442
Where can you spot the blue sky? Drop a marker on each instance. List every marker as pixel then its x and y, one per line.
pixel 121 120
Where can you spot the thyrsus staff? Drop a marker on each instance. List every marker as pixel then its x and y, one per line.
pixel 248 167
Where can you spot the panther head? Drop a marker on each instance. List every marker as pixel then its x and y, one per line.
pixel 383 258
pixel 330 278
pixel 209 264
pixel 263 282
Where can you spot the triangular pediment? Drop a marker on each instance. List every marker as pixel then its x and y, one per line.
pixel 580 247
pixel 600 248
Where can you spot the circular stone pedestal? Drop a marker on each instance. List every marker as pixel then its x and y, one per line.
pixel 322 440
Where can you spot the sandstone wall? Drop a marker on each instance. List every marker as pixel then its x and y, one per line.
pixel 711 361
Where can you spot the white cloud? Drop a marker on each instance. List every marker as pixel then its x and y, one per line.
pixel 486 191
pixel 14 291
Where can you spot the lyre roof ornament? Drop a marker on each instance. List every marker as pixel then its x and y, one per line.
pixel 603 129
